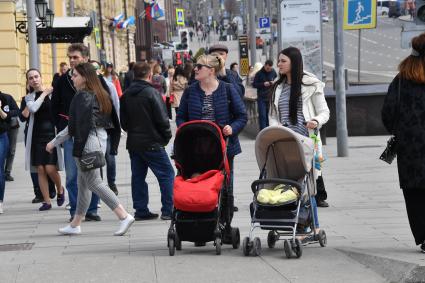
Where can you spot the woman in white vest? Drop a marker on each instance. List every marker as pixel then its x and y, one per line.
pixel 298 101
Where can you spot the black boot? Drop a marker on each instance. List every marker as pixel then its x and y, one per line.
pixel 321 195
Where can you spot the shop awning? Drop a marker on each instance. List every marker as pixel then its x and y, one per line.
pixel 66 30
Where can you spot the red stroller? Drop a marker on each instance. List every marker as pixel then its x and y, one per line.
pixel 201 210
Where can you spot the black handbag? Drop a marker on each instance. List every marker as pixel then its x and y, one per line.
pixel 390 151
pixel 92 160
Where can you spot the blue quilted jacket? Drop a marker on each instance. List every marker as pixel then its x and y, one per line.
pixel 228 107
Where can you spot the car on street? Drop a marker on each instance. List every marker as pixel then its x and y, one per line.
pixel 382 7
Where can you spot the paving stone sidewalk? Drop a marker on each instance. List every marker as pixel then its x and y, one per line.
pixel 369 239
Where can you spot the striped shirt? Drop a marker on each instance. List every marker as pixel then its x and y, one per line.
pixel 283 105
pixel 208 108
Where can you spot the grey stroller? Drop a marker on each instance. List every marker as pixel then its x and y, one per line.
pixel 285 158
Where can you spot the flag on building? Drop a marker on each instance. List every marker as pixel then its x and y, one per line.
pixel 157 11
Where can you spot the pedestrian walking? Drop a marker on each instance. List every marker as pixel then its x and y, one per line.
pixel 4 143
pixel 146 142
pixel 91 115
pixel 178 85
pixel 63 68
pixel 298 101
pixel 226 75
pixel 111 167
pixel 403 115
pixel 41 130
pixel 214 100
pixel 263 82
pixel 62 95
pixel 12 134
pixel 129 76
pixel 158 81
pixel 112 76
pixel 169 97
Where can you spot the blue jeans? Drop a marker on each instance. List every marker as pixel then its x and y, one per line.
pixel 263 112
pixel 160 165
pixel 111 169
pixel 4 149
pixel 71 180
pixel 315 215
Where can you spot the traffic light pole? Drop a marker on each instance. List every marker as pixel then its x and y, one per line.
pixel 252 32
pixel 341 114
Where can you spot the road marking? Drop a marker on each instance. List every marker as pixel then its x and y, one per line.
pixel 382 74
pixel 363 39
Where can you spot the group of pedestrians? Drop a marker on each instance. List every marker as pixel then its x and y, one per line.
pixel 86 110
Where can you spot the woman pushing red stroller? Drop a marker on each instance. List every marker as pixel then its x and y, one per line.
pixel 200 212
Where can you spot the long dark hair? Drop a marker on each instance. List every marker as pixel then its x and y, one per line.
pixel 87 71
pixel 297 73
pixel 178 72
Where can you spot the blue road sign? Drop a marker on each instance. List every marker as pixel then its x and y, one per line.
pixel 359 14
pixel 264 22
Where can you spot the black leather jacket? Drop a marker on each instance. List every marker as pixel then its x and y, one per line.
pixel 144 117
pixel 84 115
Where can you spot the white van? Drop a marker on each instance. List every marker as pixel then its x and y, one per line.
pixel 382 7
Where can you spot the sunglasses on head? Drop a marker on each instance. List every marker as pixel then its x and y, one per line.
pixel 199 66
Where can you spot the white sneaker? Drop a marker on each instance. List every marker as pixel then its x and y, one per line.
pixel 68 206
pixel 69 230
pixel 1 207
pixel 99 205
pixel 124 225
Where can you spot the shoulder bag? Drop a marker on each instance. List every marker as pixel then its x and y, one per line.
pixel 92 160
pixel 390 151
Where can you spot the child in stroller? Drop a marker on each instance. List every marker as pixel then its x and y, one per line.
pixel 201 212
pixel 286 159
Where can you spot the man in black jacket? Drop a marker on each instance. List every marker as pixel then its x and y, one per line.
pixel 63 93
pixel 144 118
pixel 263 82
pixel 12 134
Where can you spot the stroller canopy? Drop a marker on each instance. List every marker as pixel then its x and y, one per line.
pixel 199 146
pixel 285 153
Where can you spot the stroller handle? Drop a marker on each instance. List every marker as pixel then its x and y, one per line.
pixel 254 185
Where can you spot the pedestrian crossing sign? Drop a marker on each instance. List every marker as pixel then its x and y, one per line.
pixel 359 14
pixel 180 17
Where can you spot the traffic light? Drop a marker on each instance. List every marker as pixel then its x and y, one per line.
pixel 420 12
pixel 183 44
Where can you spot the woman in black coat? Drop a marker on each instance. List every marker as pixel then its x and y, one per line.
pixel 403 114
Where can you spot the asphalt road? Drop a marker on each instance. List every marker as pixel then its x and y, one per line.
pixel 380 51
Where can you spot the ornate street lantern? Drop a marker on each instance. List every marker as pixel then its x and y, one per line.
pixel 49 18
pixel 41 9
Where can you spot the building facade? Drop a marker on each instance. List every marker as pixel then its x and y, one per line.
pixel 111 45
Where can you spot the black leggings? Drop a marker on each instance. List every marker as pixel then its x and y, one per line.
pixel 415 199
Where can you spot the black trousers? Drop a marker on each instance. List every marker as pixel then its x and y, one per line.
pixel 415 207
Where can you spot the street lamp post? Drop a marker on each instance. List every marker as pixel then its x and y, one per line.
pixel 32 34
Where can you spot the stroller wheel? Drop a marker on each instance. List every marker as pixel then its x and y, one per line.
pixel 217 244
pixel 236 238
pixel 287 249
pixel 177 242
pixel 245 246
pixel 171 246
pixel 271 239
pixel 322 238
pixel 297 248
pixel 257 246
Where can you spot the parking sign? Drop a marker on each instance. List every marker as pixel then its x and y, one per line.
pixel 359 14
pixel 264 22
